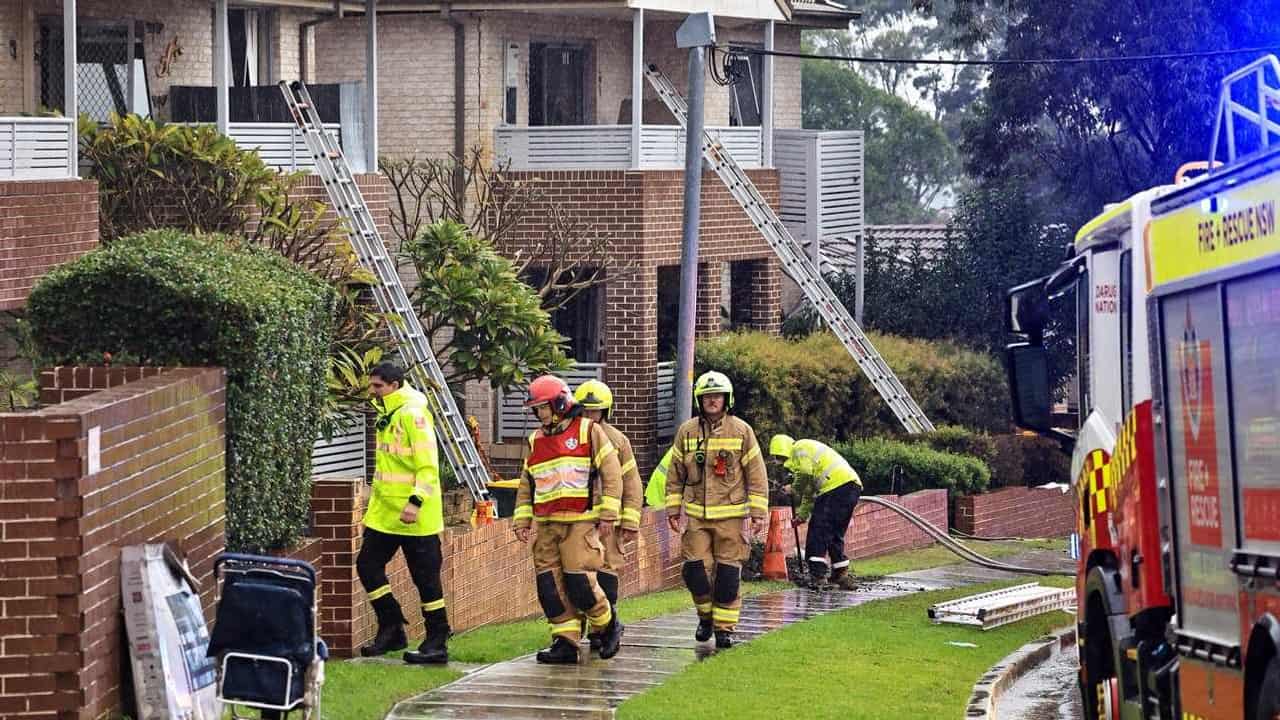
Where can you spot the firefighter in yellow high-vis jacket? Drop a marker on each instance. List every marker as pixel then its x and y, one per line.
pixel 570 493
pixel 717 480
pixel 404 513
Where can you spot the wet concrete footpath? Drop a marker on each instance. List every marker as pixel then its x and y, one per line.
pixel 655 649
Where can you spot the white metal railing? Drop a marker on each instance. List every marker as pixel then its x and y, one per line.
pixel 515 421
pixel 1259 116
pixel 343 456
pixel 280 145
pixel 608 147
pixel 37 148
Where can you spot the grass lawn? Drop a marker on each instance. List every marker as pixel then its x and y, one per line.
pixel 366 691
pixel 879 660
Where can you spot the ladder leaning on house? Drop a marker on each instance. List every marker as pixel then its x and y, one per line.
pixel 349 204
pixel 797 264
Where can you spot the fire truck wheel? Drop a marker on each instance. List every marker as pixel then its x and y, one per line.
pixel 1269 695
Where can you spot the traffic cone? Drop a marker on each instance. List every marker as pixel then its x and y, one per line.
pixel 775 559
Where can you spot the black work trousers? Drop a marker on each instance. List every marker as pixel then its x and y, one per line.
pixel 421 554
pixel 824 543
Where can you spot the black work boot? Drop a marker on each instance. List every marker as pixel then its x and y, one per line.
pixel 389 639
pixel 703 633
pixel 817 575
pixel 611 639
pixel 391 623
pixel 724 639
pixel 434 649
pixel 561 652
pixel 594 638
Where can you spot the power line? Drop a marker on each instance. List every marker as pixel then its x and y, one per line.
pixel 1000 63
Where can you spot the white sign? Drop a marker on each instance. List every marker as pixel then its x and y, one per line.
pixel 95 449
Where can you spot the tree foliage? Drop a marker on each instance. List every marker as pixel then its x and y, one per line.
pixel 481 319
pixel 909 159
pixel 1089 134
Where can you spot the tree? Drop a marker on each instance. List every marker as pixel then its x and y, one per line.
pixel 909 159
pixel 483 322
pixel 1089 134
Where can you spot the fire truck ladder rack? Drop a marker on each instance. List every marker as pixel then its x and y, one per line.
pixel 1001 607
pixel 798 265
pixel 350 205
pixel 1260 119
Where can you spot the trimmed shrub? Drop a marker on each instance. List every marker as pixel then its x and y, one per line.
pixel 167 298
pixel 892 466
pixel 812 387
pixel 1001 453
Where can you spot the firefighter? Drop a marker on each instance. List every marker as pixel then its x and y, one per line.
pixel 404 513
pixel 570 493
pixel 655 493
pixel 717 480
pixel 828 489
pixel 596 400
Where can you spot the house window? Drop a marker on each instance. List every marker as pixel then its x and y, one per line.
pixel 111 69
pixel 579 320
pixel 668 312
pixel 249 35
pixel 746 97
pixel 559 83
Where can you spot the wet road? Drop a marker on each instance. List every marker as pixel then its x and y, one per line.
pixel 1046 693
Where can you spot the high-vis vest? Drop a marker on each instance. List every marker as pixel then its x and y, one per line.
pixel 560 470
pixel 407 464
pixel 655 493
pixel 827 467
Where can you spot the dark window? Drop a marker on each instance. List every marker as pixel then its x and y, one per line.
pixel 1084 294
pixel 746 99
pixel 558 82
pixel 111 71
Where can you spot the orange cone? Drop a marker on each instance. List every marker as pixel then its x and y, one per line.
pixel 775 559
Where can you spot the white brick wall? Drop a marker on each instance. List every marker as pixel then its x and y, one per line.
pixel 415 73
pixel 13 89
pixel 186 23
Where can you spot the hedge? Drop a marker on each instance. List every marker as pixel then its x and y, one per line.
pixel 167 298
pixel 896 467
pixel 1015 459
pixel 812 387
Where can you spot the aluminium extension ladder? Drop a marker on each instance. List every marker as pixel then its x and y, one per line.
pixel 798 265
pixel 349 204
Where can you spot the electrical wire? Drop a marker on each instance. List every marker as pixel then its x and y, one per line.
pixel 1155 57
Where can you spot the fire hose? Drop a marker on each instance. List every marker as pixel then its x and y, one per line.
pixel 955 547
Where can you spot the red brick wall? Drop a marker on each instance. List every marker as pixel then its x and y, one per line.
pixel 43 223
pixel 877 530
pixel 488 574
pixel 373 187
pixel 1017 512
pixel 641 211
pixel 161 477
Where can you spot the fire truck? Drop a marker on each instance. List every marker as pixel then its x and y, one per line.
pixel 1176 457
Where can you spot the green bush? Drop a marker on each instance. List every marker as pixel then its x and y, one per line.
pixel 167 298
pixel 811 387
pixel 1001 453
pixel 891 466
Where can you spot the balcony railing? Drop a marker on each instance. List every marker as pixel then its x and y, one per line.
pixel 608 147
pixel 514 421
pixel 37 148
pixel 280 145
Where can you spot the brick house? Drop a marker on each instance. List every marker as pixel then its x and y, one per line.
pixel 546 90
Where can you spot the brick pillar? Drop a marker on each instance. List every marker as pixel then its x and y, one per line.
pixel 631 356
pixel 708 321
pixel 765 295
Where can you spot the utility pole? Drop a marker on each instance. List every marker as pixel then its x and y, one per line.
pixel 696 33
